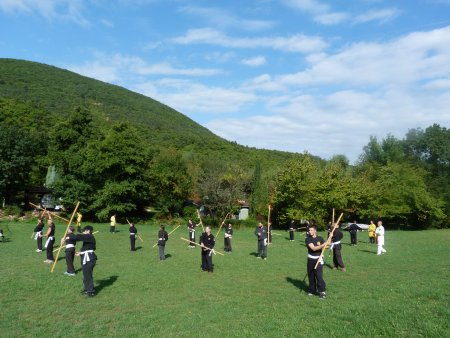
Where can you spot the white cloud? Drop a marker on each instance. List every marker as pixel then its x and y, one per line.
pixel 119 68
pixel 296 43
pixel 223 19
pixel 311 6
pixel 66 10
pixel 332 18
pixel 254 62
pixel 382 15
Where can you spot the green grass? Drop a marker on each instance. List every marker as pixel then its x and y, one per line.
pixel 404 293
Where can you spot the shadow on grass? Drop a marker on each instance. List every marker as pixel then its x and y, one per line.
pixel 104 283
pixel 255 254
pixel 5 240
pixel 369 251
pixel 299 284
pixel 168 256
pixel 138 248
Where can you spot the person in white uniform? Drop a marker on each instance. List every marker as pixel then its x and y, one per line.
pixel 380 238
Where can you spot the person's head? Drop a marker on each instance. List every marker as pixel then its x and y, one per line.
pixel 229 226
pixel 49 222
pixel 161 227
pixel 131 225
pixel 312 230
pixel 70 229
pixel 208 229
pixel 190 221
pixel 379 223
pixel 88 229
pixel 260 224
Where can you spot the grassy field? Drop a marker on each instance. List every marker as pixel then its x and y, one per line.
pixel 404 293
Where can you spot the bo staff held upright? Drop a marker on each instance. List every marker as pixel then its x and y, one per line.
pixel 328 241
pixel 221 224
pixel 65 234
pixel 200 218
pixel 169 234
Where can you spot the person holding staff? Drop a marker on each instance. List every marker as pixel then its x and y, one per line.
pixel 261 233
pixel 336 248
pixel 314 245
pixel 38 234
pixel 191 229
pixel 207 241
pixel 133 235
pixel 88 259
pixel 163 237
pixel 50 239
pixel 291 230
pixel 227 238
pixel 70 251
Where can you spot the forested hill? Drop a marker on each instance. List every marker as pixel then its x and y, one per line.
pixel 46 94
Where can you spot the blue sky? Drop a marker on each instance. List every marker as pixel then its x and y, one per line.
pixel 298 75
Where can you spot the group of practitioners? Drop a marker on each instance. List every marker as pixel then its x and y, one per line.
pixel 314 243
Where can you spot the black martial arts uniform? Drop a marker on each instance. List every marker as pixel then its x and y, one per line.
pixel 209 242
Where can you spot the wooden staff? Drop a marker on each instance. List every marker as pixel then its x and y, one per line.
pixel 332 218
pixel 268 226
pixel 201 223
pixel 54 214
pixel 63 246
pixel 137 235
pixel 221 224
pixel 168 234
pixel 184 239
pixel 328 241
pixel 65 233
pixel 41 217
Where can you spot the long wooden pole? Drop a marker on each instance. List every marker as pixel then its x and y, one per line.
pixel 184 239
pixel 199 217
pixel 221 224
pixel 63 246
pixel 328 241
pixel 268 226
pixel 65 234
pixel 332 218
pixel 54 214
pixel 168 234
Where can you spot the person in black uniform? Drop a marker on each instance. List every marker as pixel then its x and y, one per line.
pixel 50 239
pixel 88 258
pixel 227 238
pixel 291 230
pixel 163 237
pixel 70 251
pixel 353 232
pixel 206 242
pixel 191 229
pixel 315 244
pixel 261 233
pixel 38 234
pixel 133 235
pixel 336 248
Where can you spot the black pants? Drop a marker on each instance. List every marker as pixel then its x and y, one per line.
pixel 316 282
pixel 262 249
pixel 227 244
pixel 192 238
pixel 70 254
pixel 112 228
pixel 162 255
pixel 50 249
pixel 291 235
pixel 372 239
pixel 133 242
pixel 353 238
pixel 88 273
pixel 337 257
pixel 206 261
pixel 39 243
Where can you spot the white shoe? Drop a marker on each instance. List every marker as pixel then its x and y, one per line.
pixel 37 250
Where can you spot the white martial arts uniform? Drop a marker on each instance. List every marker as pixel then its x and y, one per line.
pixel 380 239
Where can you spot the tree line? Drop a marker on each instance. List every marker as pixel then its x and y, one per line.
pixel 112 168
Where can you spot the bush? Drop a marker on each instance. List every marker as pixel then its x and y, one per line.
pixel 12 210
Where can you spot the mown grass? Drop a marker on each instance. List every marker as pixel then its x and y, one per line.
pixel 404 293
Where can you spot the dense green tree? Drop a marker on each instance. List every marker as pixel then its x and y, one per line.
pixel 19 150
pixel 170 183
